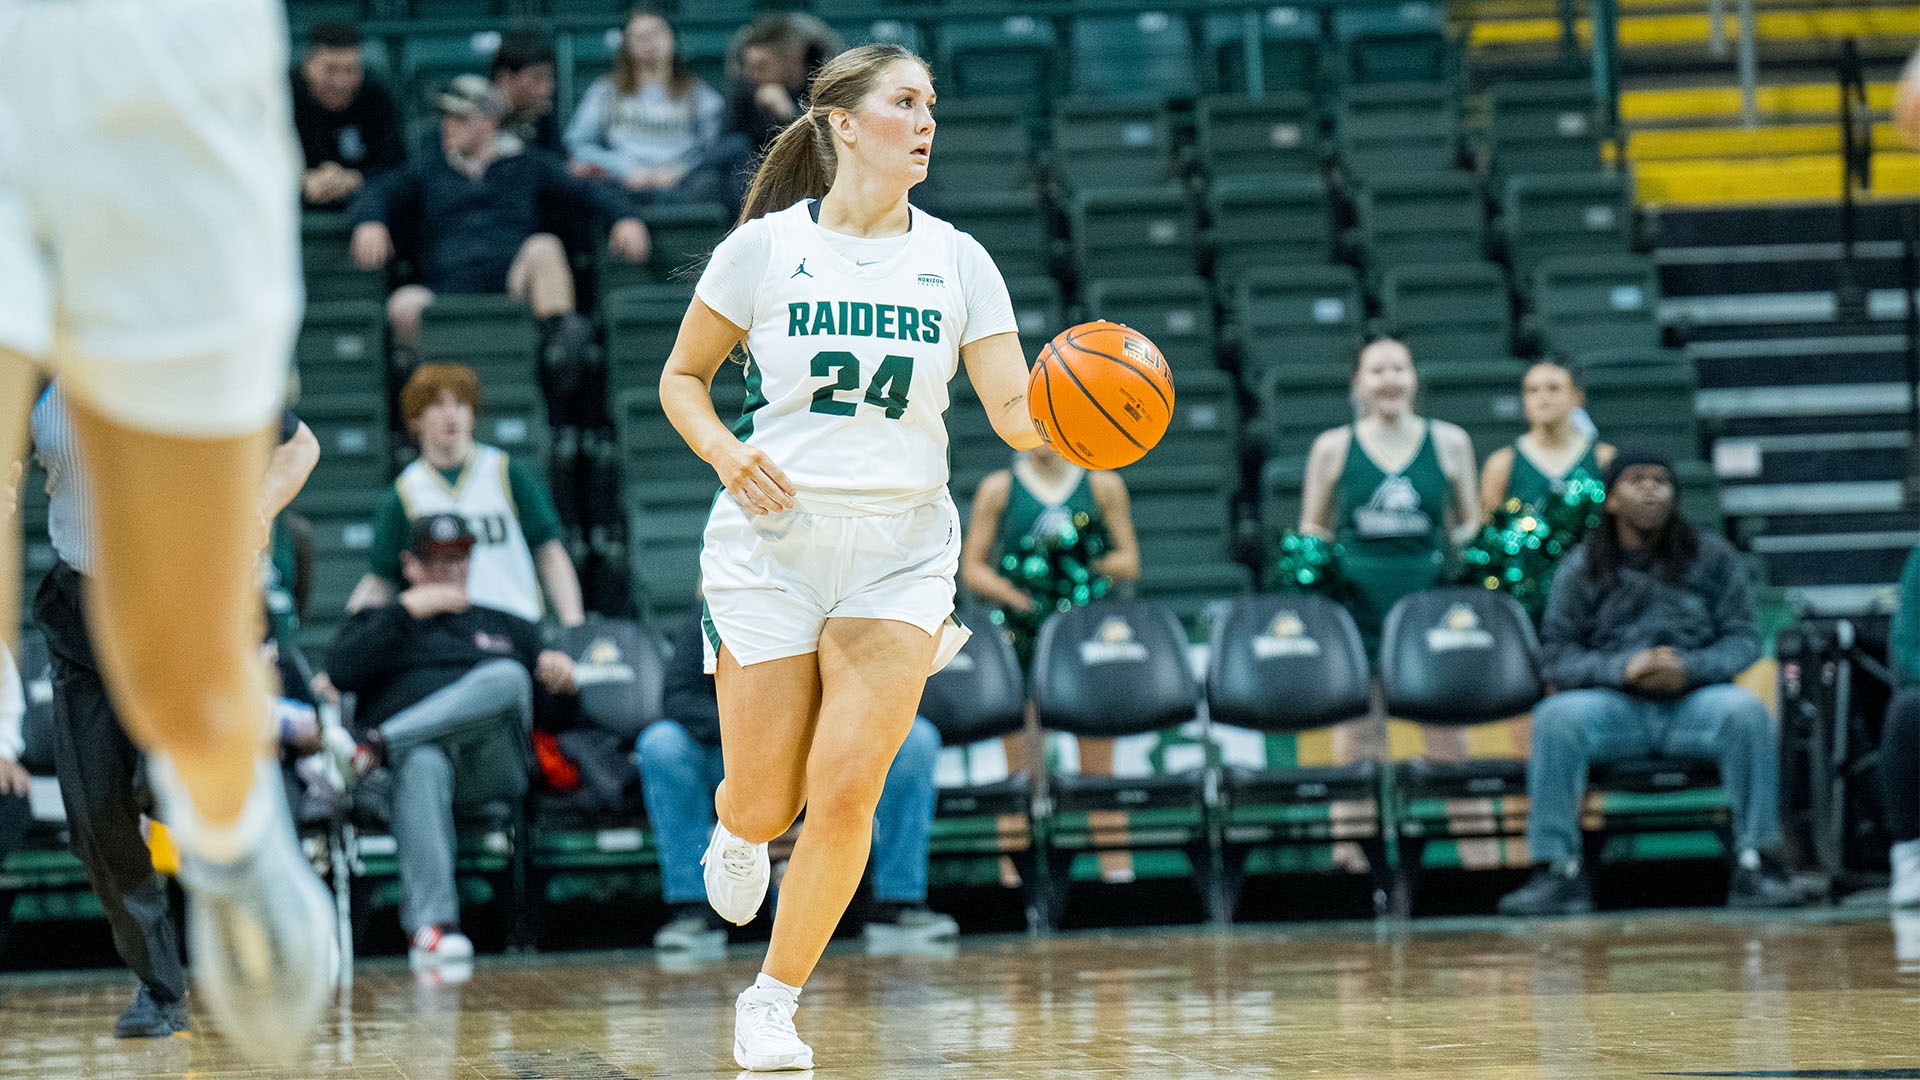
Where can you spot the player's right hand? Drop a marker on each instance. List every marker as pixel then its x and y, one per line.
pixel 753 480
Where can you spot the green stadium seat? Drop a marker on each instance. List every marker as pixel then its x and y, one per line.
pixel 352 431
pixel 1267 220
pixel 1583 303
pixel 1641 406
pixel 1398 43
pixel 326 265
pixel 1037 307
pixel 1012 225
pixel 1547 215
pixel 1013 56
pixel 1298 316
pixel 1103 144
pixel 342 347
pixel 450 10
pixel 664 539
pixel 1257 136
pixel 1142 232
pixel 514 418
pixel 973 448
pixel 642 322
pixel 1481 396
pixel 1140 55
pixel 1204 430
pixel 1542 127
pixel 1264 52
pixel 429 58
pixel 887 30
pixel 493 334
pixel 683 236
pixel 983 145
pixel 1299 401
pixel 1280 482
pixel 1192 586
pixel 1449 311
pixel 1410 218
pixel 1181 513
pixel 1175 312
pixel 1381 130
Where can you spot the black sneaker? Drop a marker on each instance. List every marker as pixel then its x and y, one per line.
pixel 1551 892
pixel 1765 887
pixel 147 1018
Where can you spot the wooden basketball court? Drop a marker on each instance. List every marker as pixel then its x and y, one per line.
pixel 1699 994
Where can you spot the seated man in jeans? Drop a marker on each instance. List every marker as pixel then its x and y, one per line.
pixel 680 767
pixel 1646 626
pixel 446 700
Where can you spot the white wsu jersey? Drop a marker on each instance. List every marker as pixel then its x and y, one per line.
pixel 501 575
pixel 848 365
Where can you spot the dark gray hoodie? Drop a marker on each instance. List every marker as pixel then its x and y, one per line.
pixel 1590 630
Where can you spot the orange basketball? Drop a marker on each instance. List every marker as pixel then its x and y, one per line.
pixel 1102 394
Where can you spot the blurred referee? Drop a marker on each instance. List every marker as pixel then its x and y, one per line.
pixel 101 771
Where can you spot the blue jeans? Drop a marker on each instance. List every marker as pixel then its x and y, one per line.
pixel 1722 723
pixel 678 777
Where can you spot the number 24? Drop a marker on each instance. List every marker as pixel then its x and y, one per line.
pixel 888 390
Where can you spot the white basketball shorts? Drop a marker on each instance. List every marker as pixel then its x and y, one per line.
pixel 149 228
pixel 772 581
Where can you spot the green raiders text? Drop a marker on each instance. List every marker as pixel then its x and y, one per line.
pixel 855 318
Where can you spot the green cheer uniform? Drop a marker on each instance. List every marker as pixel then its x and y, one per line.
pixel 1392 531
pixel 1029 516
pixel 1531 486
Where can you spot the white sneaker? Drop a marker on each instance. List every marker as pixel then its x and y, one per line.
pixel 261 931
pixel 737 875
pixel 763 1035
pixel 434 946
pixel 1905 858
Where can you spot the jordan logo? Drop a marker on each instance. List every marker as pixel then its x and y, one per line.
pixel 800 270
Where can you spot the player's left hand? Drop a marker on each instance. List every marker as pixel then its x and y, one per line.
pixel 13 778
pixel 555 672
pixel 630 240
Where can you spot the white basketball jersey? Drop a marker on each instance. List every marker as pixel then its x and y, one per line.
pixel 501 575
pixel 848 366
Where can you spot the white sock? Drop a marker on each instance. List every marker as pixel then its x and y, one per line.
pixel 768 982
pixel 216 843
pixel 1749 859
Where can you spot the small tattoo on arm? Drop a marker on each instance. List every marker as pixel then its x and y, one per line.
pixel 1012 401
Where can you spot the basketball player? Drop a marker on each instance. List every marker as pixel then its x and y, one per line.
pixel 147 257
pixel 829 560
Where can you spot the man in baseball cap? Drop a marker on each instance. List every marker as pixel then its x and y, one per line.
pixel 446 703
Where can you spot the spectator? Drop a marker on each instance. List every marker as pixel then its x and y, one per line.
pixel 520 550
pixel 475 209
pixel 768 63
pixel 1553 450
pixel 446 703
pixel 1647 624
pixel 349 129
pixel 1395 489
pixel 1900 741
pixel 651 126
pixel 99 767
pixel 16 812
pixel 680 766
pixel 1033 499
pixel 523 72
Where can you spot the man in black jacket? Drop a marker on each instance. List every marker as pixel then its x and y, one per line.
pixel 475 208
pixel 1647 625
pixel 446 699
pixel 349 129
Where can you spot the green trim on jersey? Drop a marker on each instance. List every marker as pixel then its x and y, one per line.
pixel 755 400
pixel 1527 483
pixel 707 626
